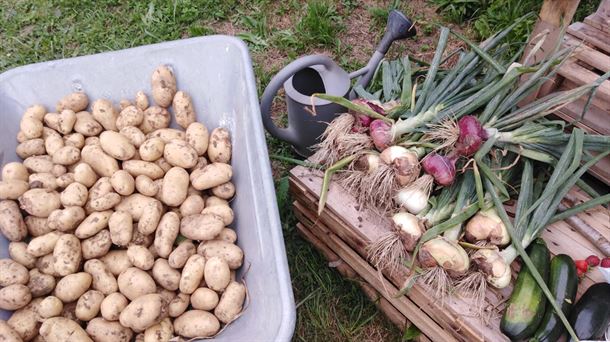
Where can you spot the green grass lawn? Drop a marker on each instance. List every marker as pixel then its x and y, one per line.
pixel 329 308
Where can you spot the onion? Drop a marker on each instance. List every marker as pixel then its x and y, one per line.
pixel 368 163
pixel 381 133
pixel 491 263
pixel 404 162
pixel 487 225
pixel 471 135
pixel 409 229
pixel 445 253
pixel 364 120
pixel 440 167
pixel 414 197
pixel 389 154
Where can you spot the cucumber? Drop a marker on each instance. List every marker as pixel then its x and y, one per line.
pixel 563 283
pixel 526 305
pixel 591 314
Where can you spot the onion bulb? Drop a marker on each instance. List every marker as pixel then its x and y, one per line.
pixel 404 161
pixel 415 196
pixel 365 120
pixel 486 225
pixel 471 135
pixel 367 163
pixel 409 228
pixel 491 263
pixel 381 133
pixel 440 167
pixel 444 253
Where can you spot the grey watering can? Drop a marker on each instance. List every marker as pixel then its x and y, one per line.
pixel 320 74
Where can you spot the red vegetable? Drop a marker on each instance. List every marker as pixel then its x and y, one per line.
pixel 381 133
pixel 364 120
pixel 471 135
pixel 592 260
pixel 605 263
pixel 580 273
pixel 440 167
pixel 581 265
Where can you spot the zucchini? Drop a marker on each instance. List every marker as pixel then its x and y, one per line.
pixel 591 314
pixel 563 283
pixel 526 305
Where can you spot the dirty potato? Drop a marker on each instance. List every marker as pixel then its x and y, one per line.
pixel 140 257
pixel 88 305
pixel 192 273
pixel 121 228
pixel 72 286
pixel 97 245
pixel 219 148
pixel 67 255
pixel 76 102
pixel 166 234
pixel 103 111
pixel 12 225
pixel 201 226
pixel 41 284
pixel 102 330
pixel 204 299
pixel 152 149
pixel 101 278
pixel 163 84
pixel 176 194
pixel 14 297
pixel 183 109
pixel 196 323
pixel 133 283
pixel 180 153
pixel 123 183
pixel 231 302
pixel 143 312
pixel 60 329
pixel 103 164
pixel 211 175
pixel 18 251
pixel 12 272
pixel 165 275
pixel 112 306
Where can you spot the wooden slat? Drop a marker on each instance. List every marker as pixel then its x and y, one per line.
pixel 586 54
pixel 572 71
pixel 597 21
pixel 591 35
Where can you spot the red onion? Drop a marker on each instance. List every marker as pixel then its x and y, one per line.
pixel 471 136
pixel 442 168
pixel 381 133
pixel 365 121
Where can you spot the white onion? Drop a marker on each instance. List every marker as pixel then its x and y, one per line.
pixel 389 154
pixel 410 229
pixel 414 200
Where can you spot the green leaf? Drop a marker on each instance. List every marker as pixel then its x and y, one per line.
pixel 281 193
pixel 411 333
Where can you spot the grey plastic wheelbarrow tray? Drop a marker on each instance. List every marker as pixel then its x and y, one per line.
pixel 217 72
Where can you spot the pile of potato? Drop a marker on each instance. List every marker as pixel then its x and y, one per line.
pixel 118 224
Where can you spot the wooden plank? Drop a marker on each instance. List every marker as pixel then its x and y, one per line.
pixel 604 9
pixel 581 76
pixel 590 35
pixel 586 54
pixel 597 21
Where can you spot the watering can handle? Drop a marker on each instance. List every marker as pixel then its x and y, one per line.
pixel 288 134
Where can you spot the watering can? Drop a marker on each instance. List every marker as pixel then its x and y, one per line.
pixel 320 74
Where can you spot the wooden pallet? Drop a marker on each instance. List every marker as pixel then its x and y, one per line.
pixel 344 230
pixel 591 59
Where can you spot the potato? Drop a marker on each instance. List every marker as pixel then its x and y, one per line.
pixel 39 164
pixel 160 332
pixel 50 306
pixel 130 116
pixel 39 202
pixel 112 306
pixel 44 244
pixel 140 257
pixel 37 226
pixel 60 329
pixel 35 112
pixel 64 180
pixel 231 302
pixel 18 251
pixel 217 274
pixel 74 194
pixel 21 137
pixel 97 245
pixel 117 145
pixel 12 225
pixel 31 128
pixel 192 273
pixel 41 284
pixel 92 224
pixel 141 100
pixel 219 148
pixel 163 164
pixel 67 255
pixel 102 330
pixel 74 139
pixel 72 286
pixel 66 155
pixel 204 299
pixel 228 235
pixel 181 254
pixel 86 125
pixel 25 323
pixel 76 101
pixel 197 136
pixel 146 186
pixel 196 323
pixel 201 226
pixel 116 261
pixel 134 204
pixel 103 111
pixel 223 211
pixel 12 273
pixel 165 275
pixel 45 265
pixel 178 305
pixel 143 312
pixel 12 189
pixel 121 228
pixel 102 187
pixel 224 191
pixel 150 217
pixel 180 153
pixel 88 305
pixel 155 118
pixel 15 171
pixel 14 297
pixel 183 109
pixel 135 136
pixel 84 174
pixel 102 279
pixel 192 205
pixel 211 175
pixel 59 170
pixel 163 84
pixel 104 202
pixel 53 142
pixel 176 194
pixel 231 253
pixel 62 122
pixel 45 181
pixel 33 147
pixel 152 149
pixel 166 234
pixel 133 283
pixel 69 312
pixel 124 103
pixel 201 163
pixel 140 167
pixel 7 334
pixel 123 183
pixel 103 164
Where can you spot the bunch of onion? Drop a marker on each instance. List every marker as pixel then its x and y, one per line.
pixel 536 208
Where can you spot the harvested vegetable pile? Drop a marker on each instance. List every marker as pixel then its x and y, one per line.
pixel 440 151
pixel 118 224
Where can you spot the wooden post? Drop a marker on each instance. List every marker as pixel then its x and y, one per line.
pixel 554 16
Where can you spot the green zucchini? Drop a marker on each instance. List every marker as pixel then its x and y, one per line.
pixel 591 314
pixel 526 305
pixel 563 283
